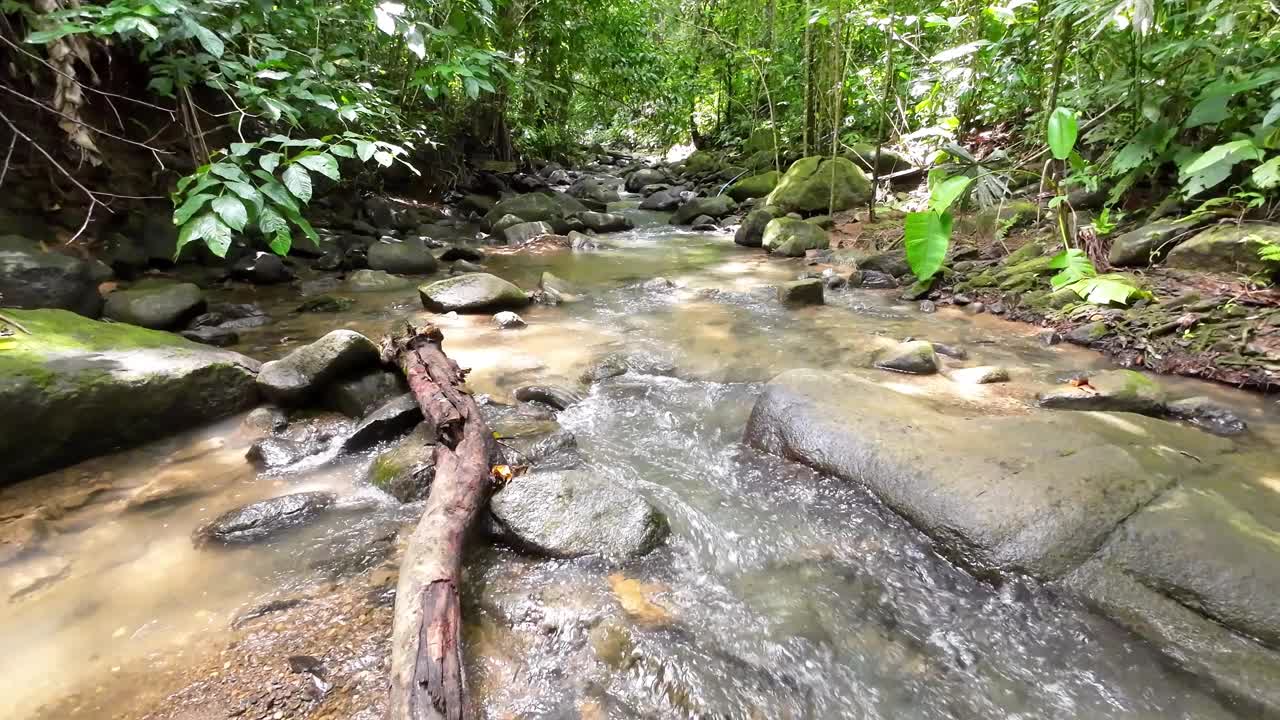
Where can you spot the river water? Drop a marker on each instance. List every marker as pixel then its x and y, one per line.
pixel 779 594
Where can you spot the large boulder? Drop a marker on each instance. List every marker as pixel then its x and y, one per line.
pixel 814 184
pixel 31 278
pixel 403 258
pixel 294 378
pixel 1149 243
pixel 157 305
pixel 645 176
pixel 701 162
pixel 522 233
pixel 72 388
pixel 751 232
pixel 473 292
pixel 714 207
pixel 571 513
pixel 590 187
pixel 605 222
pixel 536 207
pixel 264 519
pixel 864 156
pixel 661 200
pixel 1227 248
pixel 754 186
pixel 791 238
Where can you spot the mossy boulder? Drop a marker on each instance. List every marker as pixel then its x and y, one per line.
pixel 791 238
pixel 1149 243
pixel 473 292
pixel 73 388
pixel 754 186
pixel 760 140
pixel 1227 248
pixel 814 184
pixel 714 207
pixel 751 232
pixel 405 471
pixel 701 162
pixel 536 207
pixel 864 156
pixel 157 305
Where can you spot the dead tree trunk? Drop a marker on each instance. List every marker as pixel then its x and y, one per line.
pixel 427 678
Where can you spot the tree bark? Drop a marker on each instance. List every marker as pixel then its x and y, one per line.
pixel 427 678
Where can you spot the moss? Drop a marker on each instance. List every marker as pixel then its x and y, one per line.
pixel 1033 249
pixel 385 470
pixel 1034 265
pixel 984 279
pixel 1019 283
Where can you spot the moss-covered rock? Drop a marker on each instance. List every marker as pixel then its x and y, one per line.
pixel 536 207
pixel 916 357
pixel 1149 243
pixel 701 162
pixel 405 471
pixel 1227 248
pixel 791 238
pixel 714 207
pixel 816 184
pixel 864 156
pixel 72 388
pixel 751 232
pixel 473 292
pixel 754 186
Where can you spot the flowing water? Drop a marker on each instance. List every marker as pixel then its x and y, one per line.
pixel 779 594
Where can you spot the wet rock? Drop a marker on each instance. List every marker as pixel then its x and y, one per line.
pixel 916 357
pixel 662 200
pixel 405 471
pixel 462 252
pixel 507 320
pixel 376 281
pixel 20 536
pixel 615 364
pixel 573 513
pixel 276 452
pixel 578 241
pixel 261 268
pixel 216 336
pixel 754 186
pixel 74 388
pixel 524 232
pixel 475 292
pixel 1115 390
pixel 1227 248
pixel 1205 413
pixel 155 305
pixel 918 289
pixel 392 419
pixel 889 263
pixel 658 284
pixel 951 351
pixel 876 280
pixel 819 184
pixel 928 306
pixel 1149 243
pixel 34 574
pixel 537 207
pixel 305 371
pixel 462 267
pixel 326 304
pixel 704 223
pixel 801 292
pixel 330 261
pixel 557 397
pixel 604 222
pixel 1088 333
pixel 264 420
pixel 403 258
pixel 981 375
pixel 793 238
pixel 559 289
pixel 644 176
pixel 714 207
pixel 751 232
pixel 261 520
pixel 31 278
pixel 361 394
pixel 504 222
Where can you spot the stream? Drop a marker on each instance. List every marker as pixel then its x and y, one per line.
pixel 778 594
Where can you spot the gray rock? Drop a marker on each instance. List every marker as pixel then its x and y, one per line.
pixel 751 232
pixel 1116 390
pixel 602 222
pixel 376 281
pixel 801 292
pixel 507 320
pixel 302 373
pixel 504 222
pixel 158 305
pixel 578 241
pixel 982 375
pixel 1088 333
pixel 1207 414
pixel 326 304
pixel 1227 248
pixel 462 267
pixel 572 513
pixel 557 397
pixel 73 388
pixel 916 357
pixel 392 419
pixel 265 420
pixel 214 335
pixel 261 520
pixel 536 207
pixel 1149 243
pixel 277 452
pixel 473 292
pixel 644 176
pixel 261 268
pixel 875 280
pixel 33 279
pixel 714 207
pixel 661 200
pixel 526 231
pixel 405 471
pixel 403 258
pixel 928 306
pixel 361 394
pixel 890 263
pixel 793 238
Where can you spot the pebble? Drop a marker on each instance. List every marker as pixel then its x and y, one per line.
pixel 928 306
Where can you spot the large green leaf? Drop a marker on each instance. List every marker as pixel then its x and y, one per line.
pixel 927 236
pixel 1267 175
pixel 1215 164
pixel 298 181
pixel 1073 266
pixel 192 206
pixel 247 192
pixel 209 40
pixel 947 192
pixel 232 211
pixel 322 163
pixel 195 230
pixel 1107 290
pixel 218 238
pixel 270 161
pixel 282 241
pixel 1063 129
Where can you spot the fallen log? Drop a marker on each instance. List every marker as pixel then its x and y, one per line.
pixel 427 678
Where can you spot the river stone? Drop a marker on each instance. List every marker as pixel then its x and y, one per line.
pixel 572 513
pixel 557 397
pixel 31 279
pixel 261 268
pixel 305 371
pixel 403 258
pixel 73 388
pixel 864 156
pixel 890 263
pixel 326 304
pixel 754 186
pixel 1207 414
pixel 507 320
pixel 603 222
pixel 661 200
pixel 405 471
pixel 1149 243
pixel 526 231
pixel 390 420
pixel 473 292
pixel 916 357
pixel 261 520
pixel 503 223
pixel 20 536
pixel 801 292
pixel 375 281
pixel 1227 248
pixel 264 420
pixel 714 207
pixel 361 394
pixel 981 375
pixel 158 306
pixel 277 452
pixel 807 186
pixel 462 267
pixel 751 232
pixel 792 238
pixel 536 207
pixel 588 187
pixel 1034 493
pixel 644 176
pixel 1118 390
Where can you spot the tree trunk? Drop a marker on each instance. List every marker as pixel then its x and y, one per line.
pixel 427 677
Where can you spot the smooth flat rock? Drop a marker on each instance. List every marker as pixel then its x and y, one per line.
pixel 1119 390
pixel 376 281
pixel 261 520
pixel 31 278
pixel 159 306
pixel 572 513
pixel 801 292
pixel 473 292
pixel 305 371
pixel 74 388
pixel 1037 494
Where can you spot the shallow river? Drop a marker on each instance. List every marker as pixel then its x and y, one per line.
pixel 779 594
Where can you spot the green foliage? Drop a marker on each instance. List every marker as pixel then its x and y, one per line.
pixel 1072 266
pixel 1063 129
pixel 1076 273
pixel 928 234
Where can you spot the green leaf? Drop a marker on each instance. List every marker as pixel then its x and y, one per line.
pixel 1107 289
pixel 272 74
pixel 343 151
pixel 298 181
pixel 384 20
pixel 1215 164
pixel 1063 129
pixel 947 192
pixel 1272 116
pixel 218 238
pixel 246 192
pixel 45 37
pixel 192 206
pixel 1074 265
pixel 365 149
pixel 270 161
pixel 232 211
pixel 282 241
pixel 384 158
pixel 322 163
pixel 271 221
pixel 958 52
pixel 1267 175
pixel 228 171
pixel 133 22
pixel 195 230
pixel 277 193
pixel 209 40
pixel 927 236
pixel 1210 110
pixel 241 149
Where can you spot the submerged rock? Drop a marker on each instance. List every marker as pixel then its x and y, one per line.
pixel 261 520
pixel 376 281
pixel 916 357
pixel 572 513
pixel 155 305
pixel 277 452
pixel 1116 390
pixel 305 371
pixel 615 364
pixel 474 292
pixel 34 574
pixel 72 388
pixel 1205 413
pixel 405 471
pixel 326 304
